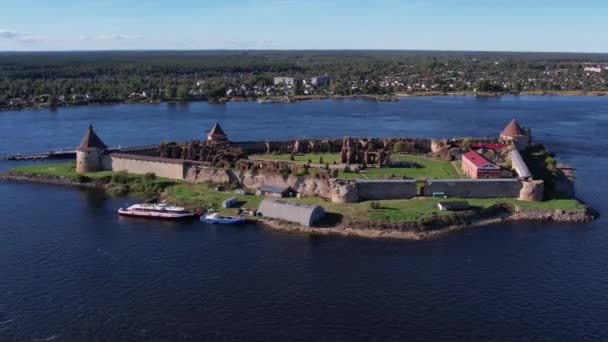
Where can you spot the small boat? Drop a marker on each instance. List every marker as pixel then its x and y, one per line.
pixel 216 218
pixel 160 211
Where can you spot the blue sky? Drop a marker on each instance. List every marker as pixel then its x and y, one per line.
pixel 501 25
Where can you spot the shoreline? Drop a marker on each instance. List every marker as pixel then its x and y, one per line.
pixel 298 98
pixel 421 230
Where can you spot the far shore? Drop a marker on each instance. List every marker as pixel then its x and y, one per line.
pixel 298 98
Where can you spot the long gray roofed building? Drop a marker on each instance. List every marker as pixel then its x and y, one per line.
pixel 304 214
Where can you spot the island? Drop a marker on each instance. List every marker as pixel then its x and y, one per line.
pixel 400 187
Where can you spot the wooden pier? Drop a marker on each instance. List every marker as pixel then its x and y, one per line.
pixel 64 153
pixel 56 154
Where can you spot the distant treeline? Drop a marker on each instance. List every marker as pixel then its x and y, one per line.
pixel 79 77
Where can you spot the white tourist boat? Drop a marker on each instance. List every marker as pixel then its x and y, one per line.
pixel 216 218
pixel 161 211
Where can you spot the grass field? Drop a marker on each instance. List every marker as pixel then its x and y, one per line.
pixel 429 168
pixel 204 195
pixel 303 158
pixel 59 169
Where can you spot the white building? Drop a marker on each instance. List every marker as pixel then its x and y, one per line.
pixel 288 81
pixel 593 69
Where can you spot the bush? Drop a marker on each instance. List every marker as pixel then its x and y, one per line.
pixel 82 179
pixel 347 169
pixel 120 177
pixel 403 146
pixel 467 142
pixel 117 189
pixel 321 160
pixel 302 172
pixel 150 176
pixel 490 155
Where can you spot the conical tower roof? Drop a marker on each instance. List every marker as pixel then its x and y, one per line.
pixel 91 140
pixel 216 133
pixel 217 129
pixel 513 129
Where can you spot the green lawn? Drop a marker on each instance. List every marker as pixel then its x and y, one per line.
pixel 419 208
pixel 429 168
pixel 304 158
pixel 58 169
pixel 204 195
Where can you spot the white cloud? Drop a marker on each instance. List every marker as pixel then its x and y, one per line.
pixel 8 34
pixel 118 37
pixel 19 37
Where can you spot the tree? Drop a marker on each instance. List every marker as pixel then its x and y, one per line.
pixel 183 92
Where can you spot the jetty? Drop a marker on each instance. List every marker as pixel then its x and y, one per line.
pixel 63 153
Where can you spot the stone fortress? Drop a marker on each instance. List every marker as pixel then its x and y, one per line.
pixel 221 161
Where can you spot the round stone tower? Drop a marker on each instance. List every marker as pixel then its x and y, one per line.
pixel 90 152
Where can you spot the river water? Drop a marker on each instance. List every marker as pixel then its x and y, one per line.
pixel 71 270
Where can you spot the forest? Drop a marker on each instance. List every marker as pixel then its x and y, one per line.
pixel 58 78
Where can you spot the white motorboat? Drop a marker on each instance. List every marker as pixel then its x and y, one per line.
pixel 216 218
pixel 161 211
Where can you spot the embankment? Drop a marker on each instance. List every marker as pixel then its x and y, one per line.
pixel 439 225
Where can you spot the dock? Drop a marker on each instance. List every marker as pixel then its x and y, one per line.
pixel 64 153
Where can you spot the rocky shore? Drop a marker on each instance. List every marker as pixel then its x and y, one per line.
pixel 440 225
pixel 413 230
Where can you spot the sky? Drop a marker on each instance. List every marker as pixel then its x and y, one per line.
pixel 490 25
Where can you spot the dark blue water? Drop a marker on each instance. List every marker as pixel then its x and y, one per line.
pixel 71 270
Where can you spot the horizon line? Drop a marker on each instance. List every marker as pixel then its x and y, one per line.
pixel 301 50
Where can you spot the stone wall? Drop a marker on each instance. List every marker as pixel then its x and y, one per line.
pixel 519 165
pixel 89 160
pixel 386 189
pixel 474 188
pixel 167 168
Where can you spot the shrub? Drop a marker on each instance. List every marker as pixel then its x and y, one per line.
pixel 404 146
pixel 490 155
pixel 467 142
pixel 117 189
pixel 120 177
pixel 347 169
pixel 82 179
pixel 150 176
pixel 321 160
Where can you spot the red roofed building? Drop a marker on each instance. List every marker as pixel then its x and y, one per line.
pixel 476 166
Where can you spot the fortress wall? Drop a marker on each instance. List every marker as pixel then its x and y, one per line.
pixel 143 165
pixel 518 164
pixel 386 189
pixel 475 188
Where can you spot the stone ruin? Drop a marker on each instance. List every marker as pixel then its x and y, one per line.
pixel 215 153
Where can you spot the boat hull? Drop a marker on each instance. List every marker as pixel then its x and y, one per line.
pixel 223 220
pixel 155 215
